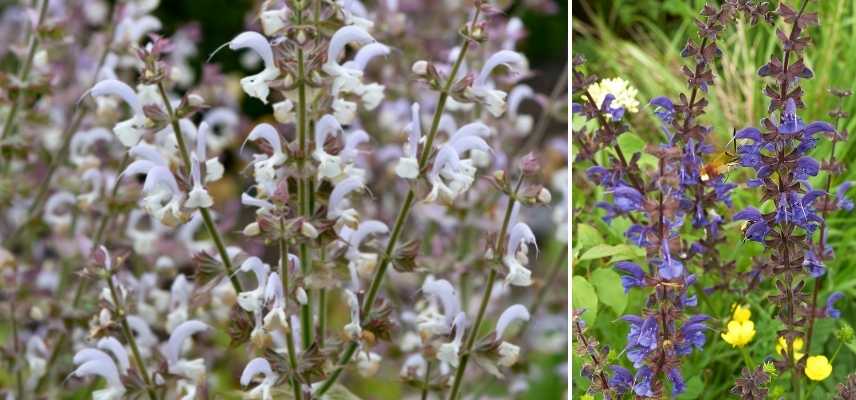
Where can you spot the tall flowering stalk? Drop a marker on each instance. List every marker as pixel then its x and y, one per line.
pixel 779 153
pixel 679 188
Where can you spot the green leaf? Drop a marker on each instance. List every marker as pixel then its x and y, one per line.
pixel 584 296
pixel 587 236
pixel 609 289
pixel 693 390
pixel 600 251
pixel 630 143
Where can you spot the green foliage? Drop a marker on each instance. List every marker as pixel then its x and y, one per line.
pixel 641 41
pixel 584 296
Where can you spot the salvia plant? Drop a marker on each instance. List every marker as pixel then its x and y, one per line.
pixel 396 215
pixel 674 200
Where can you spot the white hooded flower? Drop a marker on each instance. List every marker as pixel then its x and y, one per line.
pixel 508 352
pixel 257 85
pixel 262 391
pixel 198 196
pixel 330 166
pixel 96 362
pixel 519 238
pixel 53 210
pixel 338 207
pixel 273 21
pixel 448 352
pixel 431 322
pixel 253 300
pixel 264 166
pixel 361 263
pixel 179 302
pixel 408 164
pixel 368 363
pixel 131 130
pixel 163 197
pixel 224 123
pixel 80 151
pixel 283 111
pixel 355 13
pixel 481 91
pixel 522 123
pixel 353 330
pixel 451 175
pixel 190 369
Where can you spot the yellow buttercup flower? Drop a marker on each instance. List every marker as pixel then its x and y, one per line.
pixel 817 368
pixel 738 333
pixel 782 345
pixel 741 313
pixel 625 95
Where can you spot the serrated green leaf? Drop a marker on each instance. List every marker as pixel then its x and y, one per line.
pixel 609 290
pixel 584 296
pixel 587 236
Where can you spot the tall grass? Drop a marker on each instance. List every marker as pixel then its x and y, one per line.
pixel 649 36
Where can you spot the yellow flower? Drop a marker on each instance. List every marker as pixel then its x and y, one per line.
pixel 782 345
pixel 739 333
pixel 741 314
pixel 817 368
pixel 625 95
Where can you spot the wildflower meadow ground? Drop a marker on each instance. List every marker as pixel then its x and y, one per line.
pixel 712 205
pixel 283 199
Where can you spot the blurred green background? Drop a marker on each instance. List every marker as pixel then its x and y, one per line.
pixel 640 41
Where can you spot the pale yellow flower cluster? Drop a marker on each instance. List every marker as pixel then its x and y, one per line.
pixel 625 95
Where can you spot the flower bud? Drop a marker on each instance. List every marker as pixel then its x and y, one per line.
pixel 252 229
pixel 302 298
pixel 195 100
pixel 420 67
pixel 530 164
pixel 306 229
pixel 544 196
pixel 36 313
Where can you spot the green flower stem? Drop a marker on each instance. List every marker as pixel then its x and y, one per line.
pixel 304 190
pixel 488 289
pixel 746 358
pixel 24 73
pixel 289 338
pixel 403 213
pixel 322 311
pixel 129 337
pixel 206 215
pixel 426 383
